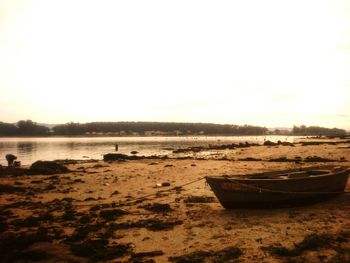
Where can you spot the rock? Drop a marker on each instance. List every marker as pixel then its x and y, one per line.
pixel 115 157
pixel 47 168
pixel 269 143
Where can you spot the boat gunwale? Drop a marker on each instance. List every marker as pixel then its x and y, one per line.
pixel 309 177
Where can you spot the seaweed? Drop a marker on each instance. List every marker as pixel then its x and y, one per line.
pixel 140 256
pixel 98 249
pixel 250 159
pixel 158 208
pixel 12 244
pixel 112 214
pixel 83 232
pixel 310 242
pixel 225 255
pixel 150 224
pixel 318 159
pixel 10 189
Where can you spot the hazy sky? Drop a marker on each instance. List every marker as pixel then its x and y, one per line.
pixel 270 63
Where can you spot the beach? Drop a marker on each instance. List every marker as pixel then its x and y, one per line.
pixel 161 210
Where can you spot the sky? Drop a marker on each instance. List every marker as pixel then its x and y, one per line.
pixel 267 63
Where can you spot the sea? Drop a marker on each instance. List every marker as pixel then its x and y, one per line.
pixel 29 150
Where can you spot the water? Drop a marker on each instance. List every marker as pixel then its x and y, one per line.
pixel 29 150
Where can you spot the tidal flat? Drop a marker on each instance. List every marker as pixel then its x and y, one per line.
pixel 160 210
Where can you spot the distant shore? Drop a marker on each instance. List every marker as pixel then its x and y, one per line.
pixel 30 128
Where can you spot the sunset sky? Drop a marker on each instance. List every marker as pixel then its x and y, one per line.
pixel 269 63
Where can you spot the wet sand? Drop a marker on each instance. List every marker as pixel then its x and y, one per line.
pixel 120 212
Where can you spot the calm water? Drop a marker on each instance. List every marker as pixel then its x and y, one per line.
pixel 29 150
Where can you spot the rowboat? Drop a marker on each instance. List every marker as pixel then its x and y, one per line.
pixel 279 188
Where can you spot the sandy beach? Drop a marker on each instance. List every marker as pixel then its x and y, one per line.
pixel 159 210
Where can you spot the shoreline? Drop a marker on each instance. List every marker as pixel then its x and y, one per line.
pixel 90 213
pixel 155 136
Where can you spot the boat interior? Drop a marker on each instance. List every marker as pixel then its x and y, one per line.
pixel 289 174
pixel 300 174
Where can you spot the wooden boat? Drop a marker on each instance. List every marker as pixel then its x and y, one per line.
pixel 279 188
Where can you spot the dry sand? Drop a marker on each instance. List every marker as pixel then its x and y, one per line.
pixel 89 214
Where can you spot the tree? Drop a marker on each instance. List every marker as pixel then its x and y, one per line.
pixel 31 128
pixel 7 129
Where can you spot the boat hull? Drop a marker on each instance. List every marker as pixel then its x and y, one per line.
pixel 274 193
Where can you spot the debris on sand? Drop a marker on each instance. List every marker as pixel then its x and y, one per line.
pixel 9 189
pixel 98 249
pixel 250 159
pixel 12 244
pixel 225 255
pixel 164 184
pixel 137 257
pixel 199 199
pixel 318 159
pixel 317 143
pixel 211 147
pixel 311 242
pixel 116 192
pixel 69 214
pixel 284 159
pixel 115 157
pixel 150 224
pixel 158 208
pixel 14 171
pixel 83 232
pixel 33 221
pixel 112 214
pixel 269 143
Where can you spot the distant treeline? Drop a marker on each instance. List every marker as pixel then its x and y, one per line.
pixel 315 130
pixel 23 128
pixel 30 128
pixel 156 128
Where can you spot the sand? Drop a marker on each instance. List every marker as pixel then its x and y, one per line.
pixel 90 214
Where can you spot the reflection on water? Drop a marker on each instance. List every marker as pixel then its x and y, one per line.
pixel 30 150
pixel 26 147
